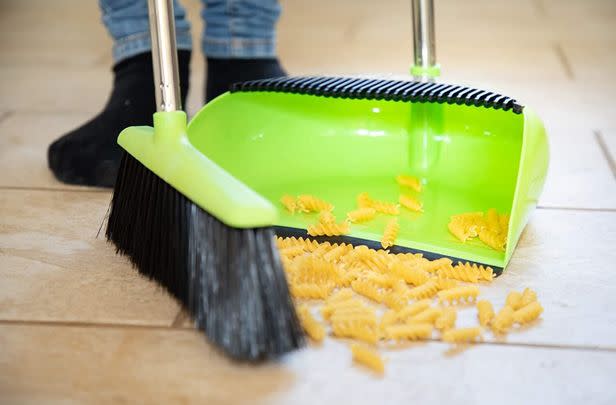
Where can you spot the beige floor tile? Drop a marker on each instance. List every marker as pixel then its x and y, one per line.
pixel 63 33
pixel 591 59
pixel 579 175
pixel 54 267
pixel 608 140
pixel 24 138
pixel 54 88
pixel 361 38
pixel 138 365
pixel 567 257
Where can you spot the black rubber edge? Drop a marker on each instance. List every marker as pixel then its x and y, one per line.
pixel 382 89
pixel 287 232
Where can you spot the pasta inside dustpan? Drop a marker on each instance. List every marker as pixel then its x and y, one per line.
pixel 473 150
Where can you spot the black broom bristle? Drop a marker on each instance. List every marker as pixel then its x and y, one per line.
pixel 230 280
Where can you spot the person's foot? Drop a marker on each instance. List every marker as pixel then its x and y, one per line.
pixel 222 73
pixel 89 155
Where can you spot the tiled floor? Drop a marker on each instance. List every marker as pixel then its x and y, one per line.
pixel 78 325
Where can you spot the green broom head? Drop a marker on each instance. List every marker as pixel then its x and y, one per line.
pixel 205 237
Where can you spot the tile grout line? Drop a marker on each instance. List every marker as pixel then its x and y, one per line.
pixel 103 191
pixel 540 8
pixel 606 152
pixel 540 207
pixel 179 320
pixel 564 61
pixel 65 190
pixel 81 324
pixel 6 114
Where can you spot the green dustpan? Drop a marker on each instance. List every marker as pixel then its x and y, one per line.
pixel 337 137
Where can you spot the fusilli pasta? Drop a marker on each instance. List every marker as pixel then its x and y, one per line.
pixel 485 312
pixel 367 357
pixel 410 203
pixel 409 181
pixel 361 215
pixel 390 234
pixel 466 293
pixel 313 328
pixel 462 335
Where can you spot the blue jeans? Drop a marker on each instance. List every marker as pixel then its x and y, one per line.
pixel 233 28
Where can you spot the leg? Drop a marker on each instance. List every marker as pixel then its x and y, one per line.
pixel 89 154
pixel 239 41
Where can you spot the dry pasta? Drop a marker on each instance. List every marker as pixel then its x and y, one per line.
pixel 426 290
pixel 445 283
pixel 429 315
pixel 410 203
pixel 495 240
pixel 292 251
pixel 492 221
pixel 394 300
pixel 367 289
pixel 329 309
pixel 311 291
pixel 313 328
pixel 385 207
pixel 307 244
pixel 310 203
pixel 315 270
pixel 323 271
pixel 528 313
pixel 447 319
pixel 336 253
pixel 367 357
pixel 466 293
pixel 409 273
pixel 334 229
pixel 503 321
pixel 436 265
pixel 462 272
pixel 465 226
pixel 361 215
pixel 485 312
pixel 409 332
pixel 390 234
pixel 355 330
pixel 326 217
pixel 413 309
pixel 468 272
pixel 365 201
pixel 462 335
pixel 528 296
pixel 290 203
pixel 409 181
pixel 514 300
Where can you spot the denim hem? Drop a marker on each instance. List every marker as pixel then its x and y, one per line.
pixel 239 47
pixel 134 44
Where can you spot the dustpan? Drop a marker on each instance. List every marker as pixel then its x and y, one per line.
pixel 336 137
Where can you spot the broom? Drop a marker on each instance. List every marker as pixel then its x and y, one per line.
pixel 229 278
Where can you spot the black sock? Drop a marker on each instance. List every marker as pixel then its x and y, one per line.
pixel 222 73
pixel 89 155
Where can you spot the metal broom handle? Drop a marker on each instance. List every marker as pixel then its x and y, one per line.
pixel 164 55
pixel 423 35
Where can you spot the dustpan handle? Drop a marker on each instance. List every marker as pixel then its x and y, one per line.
pixel 164 55
pixel 424 48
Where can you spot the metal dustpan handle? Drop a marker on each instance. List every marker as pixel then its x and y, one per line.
pixel 164 55
pixel 425 67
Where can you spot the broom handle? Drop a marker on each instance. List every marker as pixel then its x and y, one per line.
pixel 164 55
pixel 424 48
